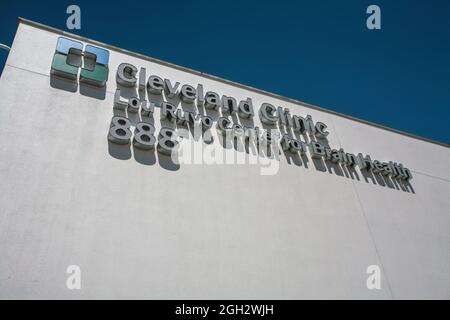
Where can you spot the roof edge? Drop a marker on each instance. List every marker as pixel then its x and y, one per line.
pixel 236 84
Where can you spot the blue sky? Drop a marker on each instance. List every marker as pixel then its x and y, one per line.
pixel 316 51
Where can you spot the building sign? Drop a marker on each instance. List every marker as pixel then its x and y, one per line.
pixel 69 56
pixel 294 134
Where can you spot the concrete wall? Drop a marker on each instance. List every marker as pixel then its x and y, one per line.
pixel 145 230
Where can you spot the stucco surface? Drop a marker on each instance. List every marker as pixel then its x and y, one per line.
pixel 143 230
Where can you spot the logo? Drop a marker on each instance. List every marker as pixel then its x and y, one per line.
pixel 69 57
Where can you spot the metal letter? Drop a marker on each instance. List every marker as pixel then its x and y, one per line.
pixel 126 75
pixel 267 114
pixel 155 84
pixel 188 93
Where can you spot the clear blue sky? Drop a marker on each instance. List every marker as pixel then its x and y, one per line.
pixel 316 51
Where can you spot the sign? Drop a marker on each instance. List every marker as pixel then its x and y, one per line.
pixel 69 57
pixel 295 134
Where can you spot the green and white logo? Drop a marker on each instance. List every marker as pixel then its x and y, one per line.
pixel 69 57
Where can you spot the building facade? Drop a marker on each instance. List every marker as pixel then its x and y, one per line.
pixel 161 182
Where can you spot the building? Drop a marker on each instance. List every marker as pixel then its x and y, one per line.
pixel 192 203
